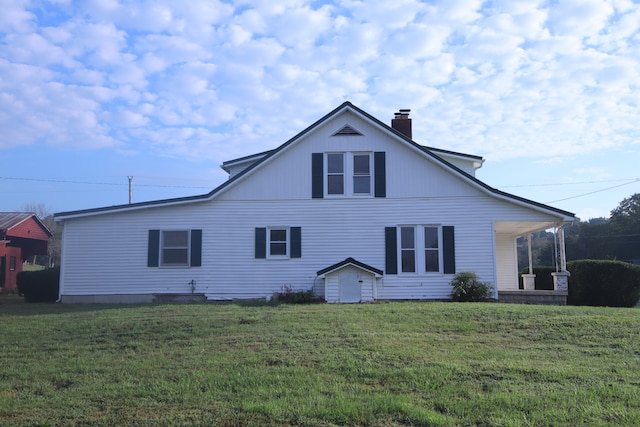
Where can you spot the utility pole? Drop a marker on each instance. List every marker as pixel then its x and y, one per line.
pixel 130 189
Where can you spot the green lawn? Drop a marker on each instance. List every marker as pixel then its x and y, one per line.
pixel 32 267
pixel 384 364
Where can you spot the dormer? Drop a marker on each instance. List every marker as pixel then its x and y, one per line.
pixel 235 166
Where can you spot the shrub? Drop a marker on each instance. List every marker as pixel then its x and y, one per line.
pixel 467 287
pixel 289 295
pixel 603 283
pixel 39 286
pixel 544 279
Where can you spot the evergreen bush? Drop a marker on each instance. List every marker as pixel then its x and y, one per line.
pixel 39 286
pixel 603 283
pixel 467 288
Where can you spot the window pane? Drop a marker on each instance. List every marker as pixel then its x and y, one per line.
pixel 431 260
pixel 335 164
pixel 361 184
pixel 335 184
pixel 174 239
pixel 278 248
pixel 406 238
pixel 174 256
pixel 278 235
pixel 361 164
pixel 408 261
pixel 431 237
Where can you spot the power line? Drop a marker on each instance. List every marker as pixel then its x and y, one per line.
pixel 556 184
pixel 64 181
pixel 594 192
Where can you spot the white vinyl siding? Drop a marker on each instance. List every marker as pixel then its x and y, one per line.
pixel 507 270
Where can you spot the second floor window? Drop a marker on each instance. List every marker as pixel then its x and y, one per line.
pixel 348 174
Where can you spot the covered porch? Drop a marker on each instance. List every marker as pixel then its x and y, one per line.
pixel 508 274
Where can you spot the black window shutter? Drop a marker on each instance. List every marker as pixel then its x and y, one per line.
pixel 196 248
pixel 380 174
pixel 317 175
pixel 391 250
pixel 296 242
pixel 448 249
pixel 153 249
pixel 261 243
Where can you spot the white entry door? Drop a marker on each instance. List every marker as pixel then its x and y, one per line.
pixel 349 287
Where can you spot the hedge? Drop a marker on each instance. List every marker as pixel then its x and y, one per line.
pixel 603 283
pixel 39 286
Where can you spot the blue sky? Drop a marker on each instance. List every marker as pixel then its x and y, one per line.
pixel 94 91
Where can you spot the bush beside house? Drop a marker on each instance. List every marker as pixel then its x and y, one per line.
pixel 39 286
pixel 603 283
pixel 466 287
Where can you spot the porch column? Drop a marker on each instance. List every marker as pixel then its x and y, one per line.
pixel 563 249
pixel 561 277
pixel 529 280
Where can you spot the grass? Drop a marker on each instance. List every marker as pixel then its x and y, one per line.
pixel 387 364
pixel 32 267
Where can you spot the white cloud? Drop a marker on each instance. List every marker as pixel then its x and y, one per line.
pixel 579 18
pixel 14 17
pixel 505 79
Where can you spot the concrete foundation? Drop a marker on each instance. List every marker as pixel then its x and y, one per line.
pixel 131 299
pixel 533 297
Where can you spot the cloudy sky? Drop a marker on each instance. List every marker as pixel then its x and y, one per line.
pixel 94 91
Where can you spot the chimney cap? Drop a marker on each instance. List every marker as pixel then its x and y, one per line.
pixel 403 113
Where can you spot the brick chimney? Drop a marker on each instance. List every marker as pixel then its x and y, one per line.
pixel 402 122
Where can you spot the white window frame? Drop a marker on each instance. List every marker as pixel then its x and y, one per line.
pixel 162 262
pixel 348 173
pixel 287 242
pixel 420 250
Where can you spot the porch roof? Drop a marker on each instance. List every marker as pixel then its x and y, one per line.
pixel 521 228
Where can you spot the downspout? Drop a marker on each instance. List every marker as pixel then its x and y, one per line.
pixel 63 244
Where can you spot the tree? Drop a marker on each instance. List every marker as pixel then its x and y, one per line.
pixel 626 217
pixel 589 240
pixel 625 226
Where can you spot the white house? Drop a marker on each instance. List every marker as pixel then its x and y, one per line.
pixel 350 207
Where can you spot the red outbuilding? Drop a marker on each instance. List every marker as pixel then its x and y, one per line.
pixel 22 235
